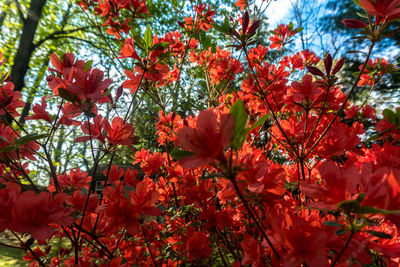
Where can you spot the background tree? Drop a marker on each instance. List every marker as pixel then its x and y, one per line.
pixel 322 22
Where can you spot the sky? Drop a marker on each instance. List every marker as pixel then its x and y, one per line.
pixel 278 12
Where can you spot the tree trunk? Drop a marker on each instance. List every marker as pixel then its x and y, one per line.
pixel 26 46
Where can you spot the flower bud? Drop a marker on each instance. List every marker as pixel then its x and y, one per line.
pixel 354 23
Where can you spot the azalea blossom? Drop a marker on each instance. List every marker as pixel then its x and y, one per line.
pixel 208 140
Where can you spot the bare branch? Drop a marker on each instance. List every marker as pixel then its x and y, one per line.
pixel 55 34
pixel 21 15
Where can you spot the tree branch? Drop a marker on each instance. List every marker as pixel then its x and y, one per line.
pixel 21 15
pixel 53 35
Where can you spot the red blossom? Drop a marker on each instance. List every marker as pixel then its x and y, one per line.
pixel 338 185
pixel 307 92
pixel 208 140
pixel 197 245
pixel 382 9
pixel 282 35
pixel 144 198
pixel 96 130
pixel 88 85
pixel 241 4
pixel 8 197
pixel 40 112
pixel 32 213
pixel 119 132
pixel 10 100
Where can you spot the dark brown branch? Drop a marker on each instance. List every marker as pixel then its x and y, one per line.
pixel 55 34
pixel 21 15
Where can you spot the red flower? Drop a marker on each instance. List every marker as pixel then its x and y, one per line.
pixel 120 132
pixel 150 163
pixel 307 91
pixel 168 127
pixel 76 179
pixel 339 139
pixel 128 50
pixel 78 201
pixel 340 185
pixel 383 9
pixel 241 3
pixel 96 129
pixel 88 85
pixel 8 139
pixel 68 61
pixel 145 197
pixel 114 174
pixel 197 245
pixel 125 213
pixel 10 99
pixel 282 34
pixel 8 196
pixel 208 140
pixel 203 20
pixel 133 82
pixel 253 253
pixel 119 211
pixel 304 241
pixel 40 112
pixel 33 213
pixel 38 253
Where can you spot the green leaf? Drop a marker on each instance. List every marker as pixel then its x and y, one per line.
pixel 148 37
pixel 349 205
pixel 370 210
pixel 178 154
pixel 299 29
pixel 139 41
pixel 357 2
pixel 164 56
pixel 3 140
pixel 362 15
pixel 88 64
pixel 390 116
pixel 382 211
pixel 64 94
pixel 160 46
pixel 333 224
pixel 238 112
pixel 174 3
pixel 219 28
pixel 259 122
pixel 7 149
pixel 226 24
pixel 341 231
pixel 30 137
pixel 361 197
pixel 379 234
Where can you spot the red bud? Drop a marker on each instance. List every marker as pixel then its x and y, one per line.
pixel 328 64
pixel 119 93
pixel 245 22
pixel 338 66
pixel 354 23
pixel 315 71
pixel 254 26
